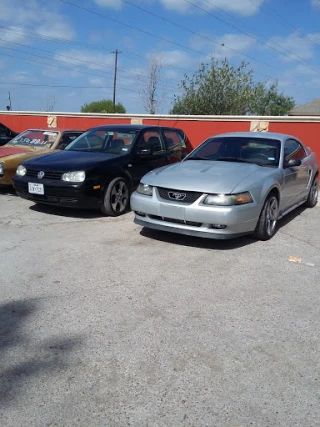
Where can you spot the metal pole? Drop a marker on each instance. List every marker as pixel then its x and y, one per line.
pixel 116 52
pixel 9 97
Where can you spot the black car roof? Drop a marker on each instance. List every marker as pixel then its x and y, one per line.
pixel 138 127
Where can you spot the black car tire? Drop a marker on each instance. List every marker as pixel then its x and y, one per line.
pixel 312 199
pixel 267 224
pixel 116 198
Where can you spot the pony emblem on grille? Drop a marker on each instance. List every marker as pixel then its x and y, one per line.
pixel 176 196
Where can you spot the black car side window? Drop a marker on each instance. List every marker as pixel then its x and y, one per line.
pixel 174 140
pixel 293 150
pixel 151 140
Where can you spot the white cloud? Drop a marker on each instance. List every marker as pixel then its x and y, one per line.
pixel 227 46
pixel 175 58
pixel 112 4
pixel 295 46
pixel 13 35
pixel 315 3
pixel 243 7
pixel 36 16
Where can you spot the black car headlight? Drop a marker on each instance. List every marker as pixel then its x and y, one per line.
pixel 228 199
pixel 77 176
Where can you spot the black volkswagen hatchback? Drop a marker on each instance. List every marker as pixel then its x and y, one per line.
pixel 100 168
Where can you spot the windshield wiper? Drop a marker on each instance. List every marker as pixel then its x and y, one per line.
pixel 197 158
pixel 231 159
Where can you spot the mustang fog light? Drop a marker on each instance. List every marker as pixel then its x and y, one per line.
pixel 140 213
pixel 218 226
pixel 78 176
pixel 21 170
pixel 145 189
pixel 228 199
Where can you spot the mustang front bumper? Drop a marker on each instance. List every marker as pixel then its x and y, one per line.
pixel 195 219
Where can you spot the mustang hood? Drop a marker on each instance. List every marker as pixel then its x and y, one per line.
pixel 68 161
pixel 9 151
pixel 201 175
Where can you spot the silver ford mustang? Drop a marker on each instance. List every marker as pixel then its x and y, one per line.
pixel 232 184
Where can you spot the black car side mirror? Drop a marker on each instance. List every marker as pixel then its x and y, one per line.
pixel 145 152
pixel 293 163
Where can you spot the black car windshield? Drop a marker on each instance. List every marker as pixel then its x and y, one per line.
pixel 113 140
pixel 35 138
pixel 262 151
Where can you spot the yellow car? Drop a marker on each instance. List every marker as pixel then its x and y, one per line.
pixel 31 143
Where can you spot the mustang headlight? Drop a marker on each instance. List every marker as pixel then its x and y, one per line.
pixel 228 199
pixel 145 189
pixel 1 168
pixel 78 176
pixel 21 170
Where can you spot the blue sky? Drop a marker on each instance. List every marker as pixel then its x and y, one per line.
pixel 57 53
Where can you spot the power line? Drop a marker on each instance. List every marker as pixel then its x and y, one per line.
pixel 178 44
pixel 95 47
pixel 284 20
pixel 300 59
pixel 252 37
pixel 78 66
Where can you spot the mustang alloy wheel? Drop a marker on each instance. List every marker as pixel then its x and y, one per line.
pixel 267 223
pixel 116 198
pixel 312 199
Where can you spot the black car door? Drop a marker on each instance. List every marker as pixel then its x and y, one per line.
pixel 148 153
pixel 175 144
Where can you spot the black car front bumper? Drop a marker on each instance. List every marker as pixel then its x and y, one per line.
pixel 59 193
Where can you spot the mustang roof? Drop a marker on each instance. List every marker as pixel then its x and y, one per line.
pixel 264 135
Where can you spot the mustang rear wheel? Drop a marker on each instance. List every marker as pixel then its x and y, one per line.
pixel 116 198
pixel 312 199
pixel 267 223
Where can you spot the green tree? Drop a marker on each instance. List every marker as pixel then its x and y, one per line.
pixel 103 106
pixel 267 101
pixel 219 88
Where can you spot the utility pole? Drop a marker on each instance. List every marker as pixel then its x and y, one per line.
pixel 9 107
pixel 116 52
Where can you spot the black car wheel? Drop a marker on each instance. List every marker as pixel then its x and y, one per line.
pixel 267 223
pixel 116 198
pixel 312 199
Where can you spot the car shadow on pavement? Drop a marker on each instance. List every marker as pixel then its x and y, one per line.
pixel 67 212
pixel 23 357
pixel 196 242
pixel 204 243
pixel 7 191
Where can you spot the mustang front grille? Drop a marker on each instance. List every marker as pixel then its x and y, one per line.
pixel 179 195
pixel 176 221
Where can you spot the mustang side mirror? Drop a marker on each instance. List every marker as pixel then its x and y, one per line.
pixel 145 152
pixel 293 163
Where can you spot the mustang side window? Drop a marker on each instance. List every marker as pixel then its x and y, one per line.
pixel 293 150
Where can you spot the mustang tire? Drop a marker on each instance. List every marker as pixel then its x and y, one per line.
pixel 267 223
pixel 116 198
pixel 312 199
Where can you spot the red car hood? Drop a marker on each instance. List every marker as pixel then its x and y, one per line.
pixel 8 151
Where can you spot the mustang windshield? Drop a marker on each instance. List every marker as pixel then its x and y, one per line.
pixel 115 140
pixel 262 151
pixel 35 138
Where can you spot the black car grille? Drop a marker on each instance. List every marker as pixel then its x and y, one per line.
pixel 47 174
pixel 176 221
pixel 179 196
